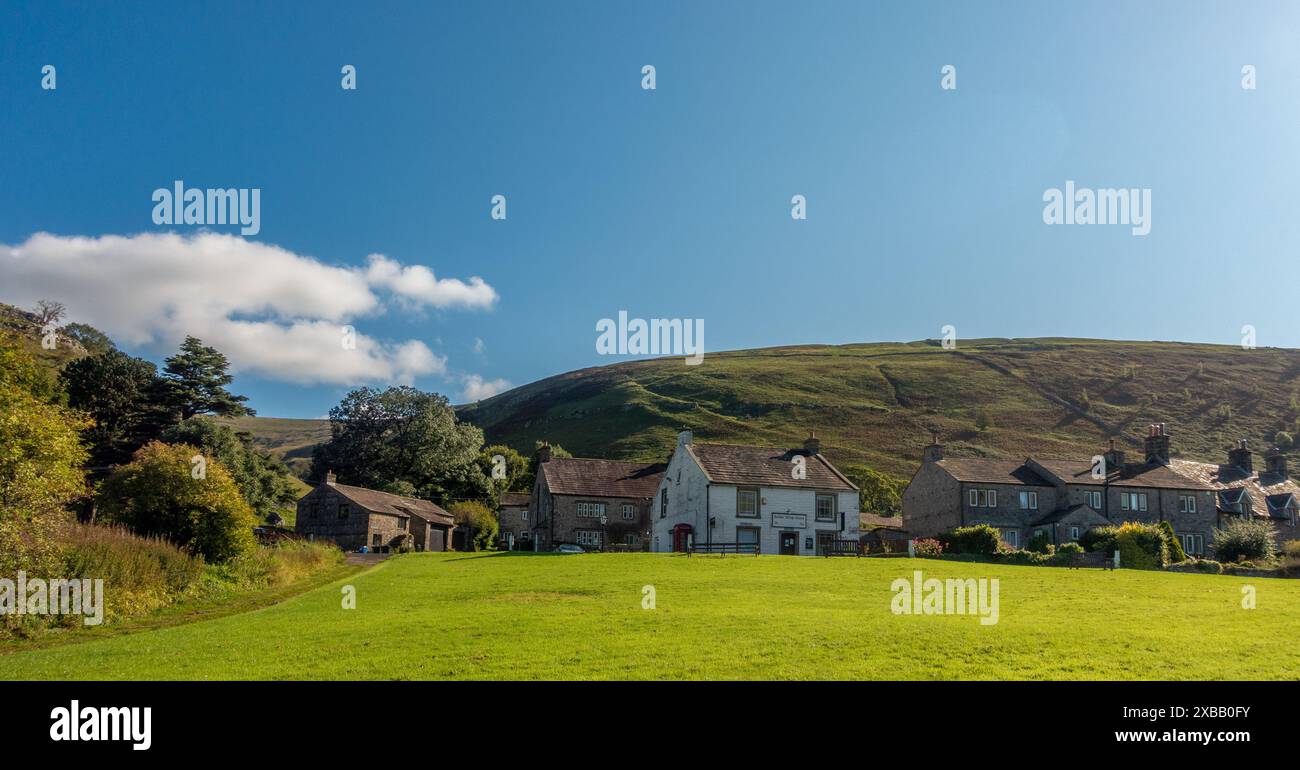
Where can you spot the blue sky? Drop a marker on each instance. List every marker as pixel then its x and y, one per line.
pixel 924 205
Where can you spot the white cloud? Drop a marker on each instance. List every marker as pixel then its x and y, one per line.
pixel 418 283
pixel 477 389
pixel 478 345
pixel 272 312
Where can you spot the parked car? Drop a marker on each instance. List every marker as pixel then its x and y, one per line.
pixel 569 548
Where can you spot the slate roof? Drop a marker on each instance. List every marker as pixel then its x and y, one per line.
pixel 396 505
pixel 985 471
pixel 870 521
pixel 1268 492
pixel 602 478
pixel 765 466
pixel 515 499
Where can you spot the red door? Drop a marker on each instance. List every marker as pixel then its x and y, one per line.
pixel 681 537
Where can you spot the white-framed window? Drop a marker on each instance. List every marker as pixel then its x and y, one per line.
pixel 1187 504
pixel 747 503
pixel 588 537
pixel 526 535
pixel 591 510
pixel 747 535
pixel 1011 538
pixel 1028 501
pixel 1133 501
pixel 1094 501
pixel 1193 544
pixel 523 515
pixel 1074 533
pixel 629 511
pixel 825 507
pixel 984 498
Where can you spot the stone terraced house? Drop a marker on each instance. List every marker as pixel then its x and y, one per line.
pixel 353 517
pixel 590 503
pixel 787 501
pixel 1242 492
pixel 1062 498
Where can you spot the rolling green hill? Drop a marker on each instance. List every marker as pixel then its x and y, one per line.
pixel 875 404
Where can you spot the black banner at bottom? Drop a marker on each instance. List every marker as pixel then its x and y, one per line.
pixel 139 720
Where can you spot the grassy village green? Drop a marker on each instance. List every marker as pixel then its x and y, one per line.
pixel 525 616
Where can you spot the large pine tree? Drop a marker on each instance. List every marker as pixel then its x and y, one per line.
pixel 197 381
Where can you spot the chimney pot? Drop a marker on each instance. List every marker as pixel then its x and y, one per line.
pixel 812 445
pixel 330 478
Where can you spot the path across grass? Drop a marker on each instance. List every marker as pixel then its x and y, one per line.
pixel 525 616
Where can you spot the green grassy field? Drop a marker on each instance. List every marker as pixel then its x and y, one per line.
pixel 523 616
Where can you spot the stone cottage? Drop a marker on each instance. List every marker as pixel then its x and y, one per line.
pixel 353 517
pixel 1062 498
pixel 592 503
pixel 1245 492
pixel 516 531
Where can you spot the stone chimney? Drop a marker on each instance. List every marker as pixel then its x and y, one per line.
pixel 544 453
pixel 1241 457
pixel 1157 444
pixel 1114 458
pixel 1275 462
pixel 330 478
pixel 934 452
pixel 685 437
pixel 812 445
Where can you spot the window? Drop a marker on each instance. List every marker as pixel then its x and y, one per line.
pixel 1011 538
pixel 1192 544
pixel 663 502
pixel 591 510
pixel 630 539
pixel 1133 501
pixel 747 503
pixel 401 524
pixel 523 515
pixel 376 539
pixel 629 511
pixel 1028 501
pixel 1186 504
pixel 1094 501
pixel 1074 533
pixel 588 537
pixel 526 535
pixel 343 510
pixel 747 535
pixel 984 498
pixel 826 507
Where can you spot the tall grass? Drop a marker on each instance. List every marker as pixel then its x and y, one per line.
pixel 145 574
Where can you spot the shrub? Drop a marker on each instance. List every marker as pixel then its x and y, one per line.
pixel 927 546
pixel 1176 553
pixel 980 539
pixel 157 495
pixel 1099 539
pixel 1245 539
pixel 1141 546
pixel 1291 557
pixel 1068 549
pixel 476 517
pixel 1027 558
pixel 1040 543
